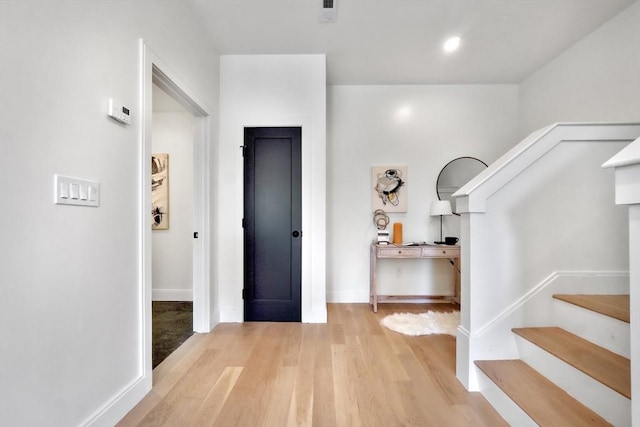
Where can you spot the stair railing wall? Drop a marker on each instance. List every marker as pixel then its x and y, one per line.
pixel 545 207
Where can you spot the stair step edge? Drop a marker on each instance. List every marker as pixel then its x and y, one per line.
pixel 615 306
pixel 603 365
pixel 537 396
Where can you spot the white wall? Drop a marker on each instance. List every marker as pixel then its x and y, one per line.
pixel 172 248
pixel 422 127
pixel 598 79
pixel 272 90
pixel 70 286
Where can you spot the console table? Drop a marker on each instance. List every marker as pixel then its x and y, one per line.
pixel 390 251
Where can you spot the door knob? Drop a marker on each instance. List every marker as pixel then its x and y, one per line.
pixel 296 233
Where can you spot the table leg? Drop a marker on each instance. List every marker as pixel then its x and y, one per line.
pixel 456 280
pixel 373 294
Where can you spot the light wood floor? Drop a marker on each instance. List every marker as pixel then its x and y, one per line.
pixel 348 372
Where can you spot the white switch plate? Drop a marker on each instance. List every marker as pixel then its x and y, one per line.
pixel 74 191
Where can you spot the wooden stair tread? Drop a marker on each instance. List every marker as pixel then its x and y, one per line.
pixel 546 403
pixel 616 306
pixel 607 367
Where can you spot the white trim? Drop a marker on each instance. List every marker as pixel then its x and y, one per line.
pixel 465 371
pixel 627 189
pixel 309 312
pixel 627 186
pixel 162 76
pixel 176 90
pixel 634 295
pixel 201 222
pixel 348 297
pixel 472 197
pixel 229 315
pixel 172 295
pixel 628 156
pixel 113 411
pixel 144 221
pixel 315 315
pixel 537 289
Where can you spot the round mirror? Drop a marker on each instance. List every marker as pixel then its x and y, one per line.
pixel 455 174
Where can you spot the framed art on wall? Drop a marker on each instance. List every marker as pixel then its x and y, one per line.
pixel 389 188
pixel 160 191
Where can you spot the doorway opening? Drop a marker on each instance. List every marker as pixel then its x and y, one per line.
pixel 172 200
pixel 155 72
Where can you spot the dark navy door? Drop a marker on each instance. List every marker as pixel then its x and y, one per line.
pixel 272 224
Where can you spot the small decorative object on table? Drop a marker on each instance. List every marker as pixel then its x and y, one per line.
pixel 381 220
pixel 451 240
pixel 397 233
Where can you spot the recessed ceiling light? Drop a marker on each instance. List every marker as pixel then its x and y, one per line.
pixel 451 44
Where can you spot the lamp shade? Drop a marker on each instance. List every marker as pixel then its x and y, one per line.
pixel 440 207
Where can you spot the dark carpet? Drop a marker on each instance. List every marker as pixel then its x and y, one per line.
pixel 172 325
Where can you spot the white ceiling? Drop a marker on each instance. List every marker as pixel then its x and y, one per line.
pixel 399 41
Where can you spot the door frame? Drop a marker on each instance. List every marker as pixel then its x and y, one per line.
pixel 155 70
pixel 313 292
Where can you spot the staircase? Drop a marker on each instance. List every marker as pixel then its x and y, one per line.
pixel 561 378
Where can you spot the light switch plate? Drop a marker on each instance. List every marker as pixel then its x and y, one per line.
pixel 75 191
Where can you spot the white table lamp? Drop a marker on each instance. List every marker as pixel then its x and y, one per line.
pixel 440 208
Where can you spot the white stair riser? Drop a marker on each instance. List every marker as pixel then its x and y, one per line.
pixel 606 402
pixel 607 332
pixel 502 403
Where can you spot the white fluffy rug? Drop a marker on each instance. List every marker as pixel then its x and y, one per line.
pixel 431 322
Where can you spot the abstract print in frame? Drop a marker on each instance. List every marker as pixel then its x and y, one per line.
pixel 160 191
pixel 389 191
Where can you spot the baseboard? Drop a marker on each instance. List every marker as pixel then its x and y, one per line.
pixel 346 297
pixel 230 315
pixel 114 410
pixel 172 295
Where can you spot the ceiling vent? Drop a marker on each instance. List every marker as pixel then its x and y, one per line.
pixel 328 13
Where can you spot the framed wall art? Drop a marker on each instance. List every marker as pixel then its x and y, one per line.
pixel 160 191
pixel 389 188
